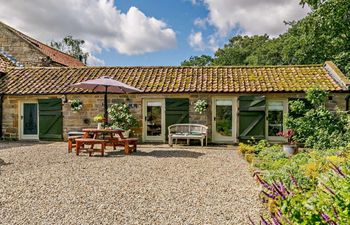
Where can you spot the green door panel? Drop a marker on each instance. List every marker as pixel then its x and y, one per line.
pixel 252 117
pixel 252 103
pixel 30 119
pixel 50 119
pixel 176 111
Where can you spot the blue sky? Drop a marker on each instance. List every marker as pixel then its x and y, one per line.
pixel 148 32
pixel 179 15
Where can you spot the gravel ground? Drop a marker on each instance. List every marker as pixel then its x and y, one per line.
pixel 43 184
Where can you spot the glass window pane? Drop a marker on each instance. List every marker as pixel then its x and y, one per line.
pixel 223 117
pixel 275 117
pixel 276 105
pixel 224 102
pixel 154 119
pixel 30 119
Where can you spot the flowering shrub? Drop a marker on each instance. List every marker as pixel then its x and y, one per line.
pixel 288 134
pixel 120 116
pixel 200 106
pixel 311 187
pixel 75 105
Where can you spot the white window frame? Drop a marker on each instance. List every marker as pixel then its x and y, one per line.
pixel 220 139
pixel 21 135
pixel 285 114
pixel 146 138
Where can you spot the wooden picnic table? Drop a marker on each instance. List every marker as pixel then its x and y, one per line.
pixel 97 132
pixel 130 144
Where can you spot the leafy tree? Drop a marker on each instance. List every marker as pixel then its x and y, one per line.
pixel 324 34
pixel 238 50
pixel 72 47
pixel 203 60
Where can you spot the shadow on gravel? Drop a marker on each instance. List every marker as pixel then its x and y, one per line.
pixel 160 154
pixel 3 163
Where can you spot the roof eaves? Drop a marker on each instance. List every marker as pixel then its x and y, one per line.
pixel 337 75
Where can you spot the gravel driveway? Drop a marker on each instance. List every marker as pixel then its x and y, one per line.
pixel 43 184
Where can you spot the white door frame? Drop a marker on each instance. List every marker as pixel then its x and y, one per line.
pixel 146 138
pixel 285 112
pixel 220 139
pixel 20 121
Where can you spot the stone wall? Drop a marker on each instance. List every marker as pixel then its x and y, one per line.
pixel 23 51
pixel 93 105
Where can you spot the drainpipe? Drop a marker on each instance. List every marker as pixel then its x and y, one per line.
pixel 1 109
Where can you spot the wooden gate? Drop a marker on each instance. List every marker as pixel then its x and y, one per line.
pixel 251 117
pixel 50 119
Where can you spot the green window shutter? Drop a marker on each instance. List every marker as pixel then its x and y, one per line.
pixel 50 119
pixel 251 117
pixel 176 111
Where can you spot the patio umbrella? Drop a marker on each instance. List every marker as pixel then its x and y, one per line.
pixel 106 85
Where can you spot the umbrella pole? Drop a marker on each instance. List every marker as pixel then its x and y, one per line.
pixel 106 107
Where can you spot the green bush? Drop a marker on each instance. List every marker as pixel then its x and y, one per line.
pixel 318 127
pixel 121 117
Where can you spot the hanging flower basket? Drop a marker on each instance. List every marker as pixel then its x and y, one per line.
pixel 200 106
pixel 75 105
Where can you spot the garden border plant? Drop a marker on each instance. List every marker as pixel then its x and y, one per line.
pixel 311 187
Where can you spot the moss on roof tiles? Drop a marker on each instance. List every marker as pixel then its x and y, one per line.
pixel 173 79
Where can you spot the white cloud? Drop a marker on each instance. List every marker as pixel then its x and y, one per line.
pixel 98 22
pixel 253 16
pixel 94 61
pixel 200 22
pixel 195 40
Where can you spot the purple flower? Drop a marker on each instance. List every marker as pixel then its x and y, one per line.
pixel 337 170
pixel 268 195
pixel 265 222
pixel 294 180
pixel 276 221
pixel 328 189
pixel 326 218
pixel 279 191
pixel 251 221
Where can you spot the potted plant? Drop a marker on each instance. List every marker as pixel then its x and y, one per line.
pixel 200 106
pixel 99 120
pixel 75 105
pixel 121 117
pixel 290 147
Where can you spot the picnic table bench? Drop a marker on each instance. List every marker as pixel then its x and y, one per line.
pixel 188 132
pixel 92 136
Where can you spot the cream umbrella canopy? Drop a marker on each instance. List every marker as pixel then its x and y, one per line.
pixel 106 85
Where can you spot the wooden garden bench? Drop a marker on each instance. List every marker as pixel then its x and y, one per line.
pixel 72 143
pixel 130 145
pixel 188 132
pixel 81 142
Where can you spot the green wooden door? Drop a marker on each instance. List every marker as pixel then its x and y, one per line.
pixel 50 119
pixel 176 111
pixel 251 117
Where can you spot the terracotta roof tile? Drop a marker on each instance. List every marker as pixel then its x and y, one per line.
pixel 57 80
